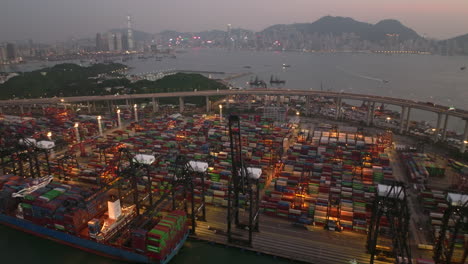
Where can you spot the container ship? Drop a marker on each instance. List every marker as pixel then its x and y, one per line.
pixel 90 218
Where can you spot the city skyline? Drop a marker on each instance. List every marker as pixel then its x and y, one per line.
pixel 53 20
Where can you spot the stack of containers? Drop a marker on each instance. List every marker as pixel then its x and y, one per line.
pixel 323 199
pixel 346 203
pixel 377 173
pixel 164 237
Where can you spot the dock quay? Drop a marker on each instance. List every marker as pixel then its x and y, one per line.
pixel 280 239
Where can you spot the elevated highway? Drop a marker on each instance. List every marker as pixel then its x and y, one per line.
pixel 443 112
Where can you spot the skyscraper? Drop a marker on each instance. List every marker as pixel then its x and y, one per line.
pixel 3 57
pixel 99 42
pixel 131 44
pixel 124 42
pixel 11 51
pixel 110 41
pixel 118 41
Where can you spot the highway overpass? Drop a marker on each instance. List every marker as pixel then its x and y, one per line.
pixel 443 112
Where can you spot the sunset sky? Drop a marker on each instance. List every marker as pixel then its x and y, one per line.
pixel 54 20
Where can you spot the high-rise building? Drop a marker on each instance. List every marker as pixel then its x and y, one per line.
pixel 124 42
pixel 99 42
pixel 118 41
pixel 3 57
pixel 11 51
pixel 131 44
pixel 110 41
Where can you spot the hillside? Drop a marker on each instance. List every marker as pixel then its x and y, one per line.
pixel 337 26
pixel 59 80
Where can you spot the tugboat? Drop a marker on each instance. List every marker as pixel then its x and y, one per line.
pixel 286 65
pixel 275 80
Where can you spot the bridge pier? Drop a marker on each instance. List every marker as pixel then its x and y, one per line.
pixel 338 109
pixel 227 101
pixel 436 131
pixel 307 105
pixel 88 106
pixel 155 104
pixel 278 100
pixel 181 104
pixel 465 138
pixel 249 102
pixel 208 104
pixel 444 132
pixel 127 102
pixel 370 113
pixel 402 118
pixel 408 121
pixel 22 109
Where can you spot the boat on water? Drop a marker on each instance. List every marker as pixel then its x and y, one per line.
pixel 257 83
pixel 286 65
pixel 276 80
pixel 90 219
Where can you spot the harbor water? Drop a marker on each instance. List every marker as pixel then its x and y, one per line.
pixel 425 78
pixel 19 247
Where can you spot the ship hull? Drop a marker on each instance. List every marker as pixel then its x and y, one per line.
pixel 82 243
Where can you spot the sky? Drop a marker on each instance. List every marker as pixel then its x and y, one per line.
pixel 57 20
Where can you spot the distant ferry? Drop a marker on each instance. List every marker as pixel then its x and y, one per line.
pixel 286 65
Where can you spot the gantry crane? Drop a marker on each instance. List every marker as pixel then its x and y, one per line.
pixel 454 225
pixel 243 181
pixel 391 202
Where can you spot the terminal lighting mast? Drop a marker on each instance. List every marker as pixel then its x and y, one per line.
pixel 390 210
pixel 130 33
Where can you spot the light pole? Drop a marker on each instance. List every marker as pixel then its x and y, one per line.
pixel 119 122
pixel 49 135
pixel 99 125
pixel 77 132
pixel 220 113
pixel 135 107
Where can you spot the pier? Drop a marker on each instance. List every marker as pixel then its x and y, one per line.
pixel 279 238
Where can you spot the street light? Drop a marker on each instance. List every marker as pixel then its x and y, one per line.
pixel 297 113
pixel 119 122
pixel 49 135
pixel 99 125
pixel 77 132
pixel 220 113
pixel 135 107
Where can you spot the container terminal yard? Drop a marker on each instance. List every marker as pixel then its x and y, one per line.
pixel 287 176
